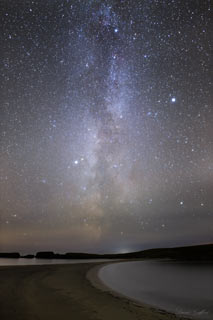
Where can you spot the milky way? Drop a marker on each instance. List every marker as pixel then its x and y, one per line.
pixel 106 125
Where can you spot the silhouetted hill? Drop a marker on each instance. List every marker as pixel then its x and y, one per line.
pixel 200 252
pixel 71 255
pixel 45 255
pixel 9 255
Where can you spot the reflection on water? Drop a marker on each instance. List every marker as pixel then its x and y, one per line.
pixel 182 288
pixel 26 262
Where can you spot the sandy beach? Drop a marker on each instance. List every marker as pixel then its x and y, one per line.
pixel 65 292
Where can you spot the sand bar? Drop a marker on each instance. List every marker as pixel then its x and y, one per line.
pixel 65 292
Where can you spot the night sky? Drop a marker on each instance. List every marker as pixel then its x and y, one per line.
pixel 106 125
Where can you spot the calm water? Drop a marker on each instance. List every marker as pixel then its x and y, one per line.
pixel 26 262
pixel 182 288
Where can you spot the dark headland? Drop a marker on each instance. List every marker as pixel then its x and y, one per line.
pixel 198 253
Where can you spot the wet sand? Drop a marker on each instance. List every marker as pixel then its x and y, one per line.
pixel 65 292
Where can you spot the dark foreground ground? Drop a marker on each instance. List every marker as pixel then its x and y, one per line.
pixel 63 292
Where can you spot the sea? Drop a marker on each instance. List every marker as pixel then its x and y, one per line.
pixel 34 261
pixel 183 288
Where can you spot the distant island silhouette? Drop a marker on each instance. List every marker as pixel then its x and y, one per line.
pixel 188 253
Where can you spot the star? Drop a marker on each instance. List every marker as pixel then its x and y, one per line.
pixel 106 116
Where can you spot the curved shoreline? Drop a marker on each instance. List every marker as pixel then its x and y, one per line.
pixel 66 291
pixel 92 276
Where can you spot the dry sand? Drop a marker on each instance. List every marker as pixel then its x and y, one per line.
pixel 64 292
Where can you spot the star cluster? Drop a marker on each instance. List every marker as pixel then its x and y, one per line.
pixel 106 124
